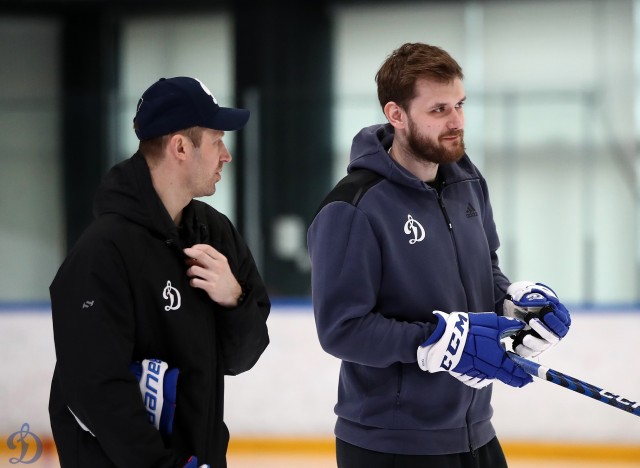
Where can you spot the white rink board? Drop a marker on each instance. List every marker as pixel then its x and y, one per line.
pixel 292 389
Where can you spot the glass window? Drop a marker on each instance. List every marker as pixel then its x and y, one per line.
pixel 547 122
pixel 32 228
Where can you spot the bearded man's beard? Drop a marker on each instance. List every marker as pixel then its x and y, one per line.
pixel 426 149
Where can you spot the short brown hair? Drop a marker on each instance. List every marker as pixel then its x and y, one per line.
pixel 397 76
pixel 154 146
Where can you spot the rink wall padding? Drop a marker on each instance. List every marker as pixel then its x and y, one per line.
pixel 325 447
pixel 297 382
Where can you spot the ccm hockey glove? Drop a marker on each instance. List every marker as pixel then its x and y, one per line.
pixel 538 306
pixel 158 387
pixel 467 346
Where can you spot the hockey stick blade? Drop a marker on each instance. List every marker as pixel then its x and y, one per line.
pixel 566 381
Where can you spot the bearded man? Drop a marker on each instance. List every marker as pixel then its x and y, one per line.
pixel 406 286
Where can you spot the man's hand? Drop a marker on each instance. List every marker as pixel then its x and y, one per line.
pixel 538 306
pixel 468 347
pixel 546 328
pixel 209 270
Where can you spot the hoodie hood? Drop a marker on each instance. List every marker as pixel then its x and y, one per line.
pixel 370 150
pixel 127 190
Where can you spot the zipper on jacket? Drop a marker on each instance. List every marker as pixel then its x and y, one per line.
pixel 474 451
pixel 444 208
pixel 399 386
pixel 210 424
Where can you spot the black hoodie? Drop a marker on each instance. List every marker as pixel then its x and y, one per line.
pixel 122 295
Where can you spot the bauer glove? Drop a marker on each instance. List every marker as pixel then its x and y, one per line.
pixel 467 346
pixel 158 387
pixel 538 306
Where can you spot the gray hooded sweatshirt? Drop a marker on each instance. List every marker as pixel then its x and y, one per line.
pixel 387 249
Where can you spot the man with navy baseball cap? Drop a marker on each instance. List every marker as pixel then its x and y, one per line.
pixel 159 299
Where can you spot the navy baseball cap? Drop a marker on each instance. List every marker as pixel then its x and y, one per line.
pixel 172 104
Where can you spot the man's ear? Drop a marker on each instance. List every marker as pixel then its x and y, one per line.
pixel 178 146
pixel 395 114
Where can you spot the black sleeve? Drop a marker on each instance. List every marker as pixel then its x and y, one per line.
pixel 94 328
pixel 243 330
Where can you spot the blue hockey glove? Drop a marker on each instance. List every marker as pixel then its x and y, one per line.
pixel 192 462
pixel 524 297
pixel 158 386
pixel 538 306
pixel 467 346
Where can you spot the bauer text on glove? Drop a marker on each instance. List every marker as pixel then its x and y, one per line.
pixel 158 385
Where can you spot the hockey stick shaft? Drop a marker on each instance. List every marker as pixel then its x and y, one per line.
pixel 566 381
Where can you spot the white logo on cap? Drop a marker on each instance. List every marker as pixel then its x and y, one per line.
pixel 206 90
